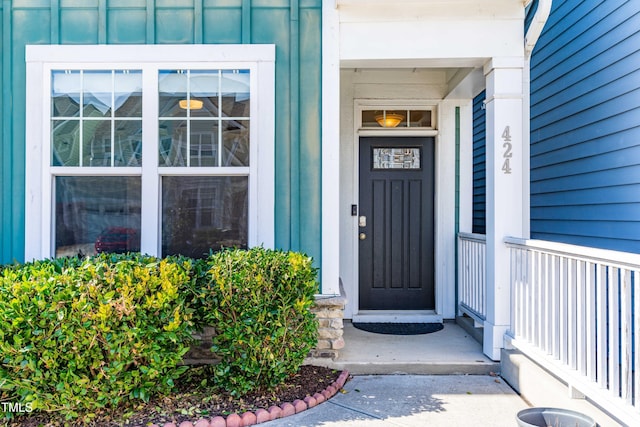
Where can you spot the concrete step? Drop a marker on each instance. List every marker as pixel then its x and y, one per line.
pixel 451 351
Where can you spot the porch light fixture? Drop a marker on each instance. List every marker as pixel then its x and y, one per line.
pixel 193 104
pixel 389 120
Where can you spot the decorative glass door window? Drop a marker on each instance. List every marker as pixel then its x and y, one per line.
pixel 396 158
pixel 149 154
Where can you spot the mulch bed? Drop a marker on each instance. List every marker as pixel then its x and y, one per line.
pixel 195 398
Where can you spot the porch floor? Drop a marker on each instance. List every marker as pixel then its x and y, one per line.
pixel 449 351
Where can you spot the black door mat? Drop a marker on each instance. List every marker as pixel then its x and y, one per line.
pixel 399 328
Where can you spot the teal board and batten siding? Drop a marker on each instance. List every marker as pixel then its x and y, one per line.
pixel 585 126
pixel 294 26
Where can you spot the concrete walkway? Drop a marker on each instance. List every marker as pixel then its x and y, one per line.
pixel 414 401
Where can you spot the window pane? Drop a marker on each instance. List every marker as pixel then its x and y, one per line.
pixel 97 90
pixel 128 93
pixel 96 145
pixel 393 119
pixel 128 143
pixel 420 118
pixel 235 138
pixel 235 93
pixel 203 213
pixel 204 143
pixel 204 91
pixel 173 143
pixel 65 93
pixel 65 142
pixel 384 118
pixel 173 89
pixel 96 214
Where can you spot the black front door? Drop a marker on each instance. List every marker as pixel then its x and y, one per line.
pixel 396 231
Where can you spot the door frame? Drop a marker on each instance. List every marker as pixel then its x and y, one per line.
pixel 358 132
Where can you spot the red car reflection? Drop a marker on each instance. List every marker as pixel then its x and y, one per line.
pixel 118 240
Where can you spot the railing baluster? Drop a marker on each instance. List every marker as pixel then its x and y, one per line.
pixel 626 340
pixel 572 316
pixel 636 333
pixel 602 346
pixel 591 334
pixel 555 304
pixel 548 289
pixel 613 349
pixel 562 307
pixel 580 329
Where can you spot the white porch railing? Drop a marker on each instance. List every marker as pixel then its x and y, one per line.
pixel 471 275
pixel 576 311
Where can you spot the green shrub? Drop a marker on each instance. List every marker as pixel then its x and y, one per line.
pixel 258 301
pixel 84 334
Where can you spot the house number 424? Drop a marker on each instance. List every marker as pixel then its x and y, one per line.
pixel 506 137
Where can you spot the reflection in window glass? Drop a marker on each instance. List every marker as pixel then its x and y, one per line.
pixel 173 143
pixel 128 93
pixel 235 138
pixel 128 143
pixel 97 87
pixel 85 137
pixel 203 88
pixel 66 87
pixel 173 86
pixel 203 213
pixel 64 140
pixel 235 93
pixel 204 143
pixel 97 214
pixel 96 146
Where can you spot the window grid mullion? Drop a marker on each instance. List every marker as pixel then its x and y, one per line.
pixel 219 118
pixel 188 118
pixel 81 117
pixel 113 121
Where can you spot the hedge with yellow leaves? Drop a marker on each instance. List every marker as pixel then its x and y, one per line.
pixel 81 334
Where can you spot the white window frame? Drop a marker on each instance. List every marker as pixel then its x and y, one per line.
pixel 40 175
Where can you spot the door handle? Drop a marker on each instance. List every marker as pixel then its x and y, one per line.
pixel 362 236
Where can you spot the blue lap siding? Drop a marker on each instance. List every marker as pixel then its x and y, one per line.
pixel 585 126
pixel 479 165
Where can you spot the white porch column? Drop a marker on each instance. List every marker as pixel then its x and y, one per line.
pixel 505 207
pixel 330 268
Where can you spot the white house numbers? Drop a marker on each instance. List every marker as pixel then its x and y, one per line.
pixel 507 154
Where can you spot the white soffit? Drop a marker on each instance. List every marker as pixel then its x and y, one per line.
pixel 414 63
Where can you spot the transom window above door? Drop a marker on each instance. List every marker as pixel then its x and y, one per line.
pixel 140 153
pixel 397 118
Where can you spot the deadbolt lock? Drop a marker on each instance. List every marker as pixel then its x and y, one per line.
pixel 362 221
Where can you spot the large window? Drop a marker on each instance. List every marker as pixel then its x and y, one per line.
pixel 138 153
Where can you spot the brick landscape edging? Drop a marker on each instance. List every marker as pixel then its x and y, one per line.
pixel 263 415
